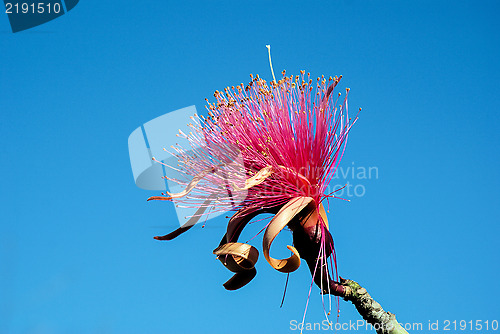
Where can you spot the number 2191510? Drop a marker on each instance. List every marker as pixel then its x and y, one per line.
pixel 32 8
pixel 470 325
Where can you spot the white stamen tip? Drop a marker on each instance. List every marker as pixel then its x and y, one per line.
pixel 270 62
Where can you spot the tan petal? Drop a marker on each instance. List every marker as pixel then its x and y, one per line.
pixel 312 219
pixel 323 215
pixel 279 221
pixel 241 218
pixel 159 198
pixel 258 178
pixel 239 258
pixel 244 256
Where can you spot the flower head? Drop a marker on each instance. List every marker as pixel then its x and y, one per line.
pixel 266 147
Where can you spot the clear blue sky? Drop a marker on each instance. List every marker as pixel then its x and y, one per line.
pixel 77 253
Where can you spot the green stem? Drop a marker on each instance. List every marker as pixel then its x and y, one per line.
pixel 370 310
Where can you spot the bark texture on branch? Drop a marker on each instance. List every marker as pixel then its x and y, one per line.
pixel 371 311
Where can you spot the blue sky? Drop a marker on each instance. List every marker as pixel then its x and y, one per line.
pixel 77 253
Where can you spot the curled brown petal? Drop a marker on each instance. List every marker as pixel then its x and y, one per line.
pixel 190 223
pixel 240 279
pixel 239 258
pixel 258 178
pixel 279 221
pixel 236 224
pixel 312 217
pixel 244 255
pixel 159 198
pixel 241 218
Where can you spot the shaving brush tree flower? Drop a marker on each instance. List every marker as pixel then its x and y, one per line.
pixel 289 136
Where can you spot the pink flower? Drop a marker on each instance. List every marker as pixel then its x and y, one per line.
pixel 268 148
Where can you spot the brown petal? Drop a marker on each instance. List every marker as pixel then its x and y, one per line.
pixel 258 178
pixel 282 218
pixel 244 255
pixel 159 198
pixel 239 258
pixel 312 219
pixel 241 218
pixel 322 213
pixel 190 223
pixel 240 279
